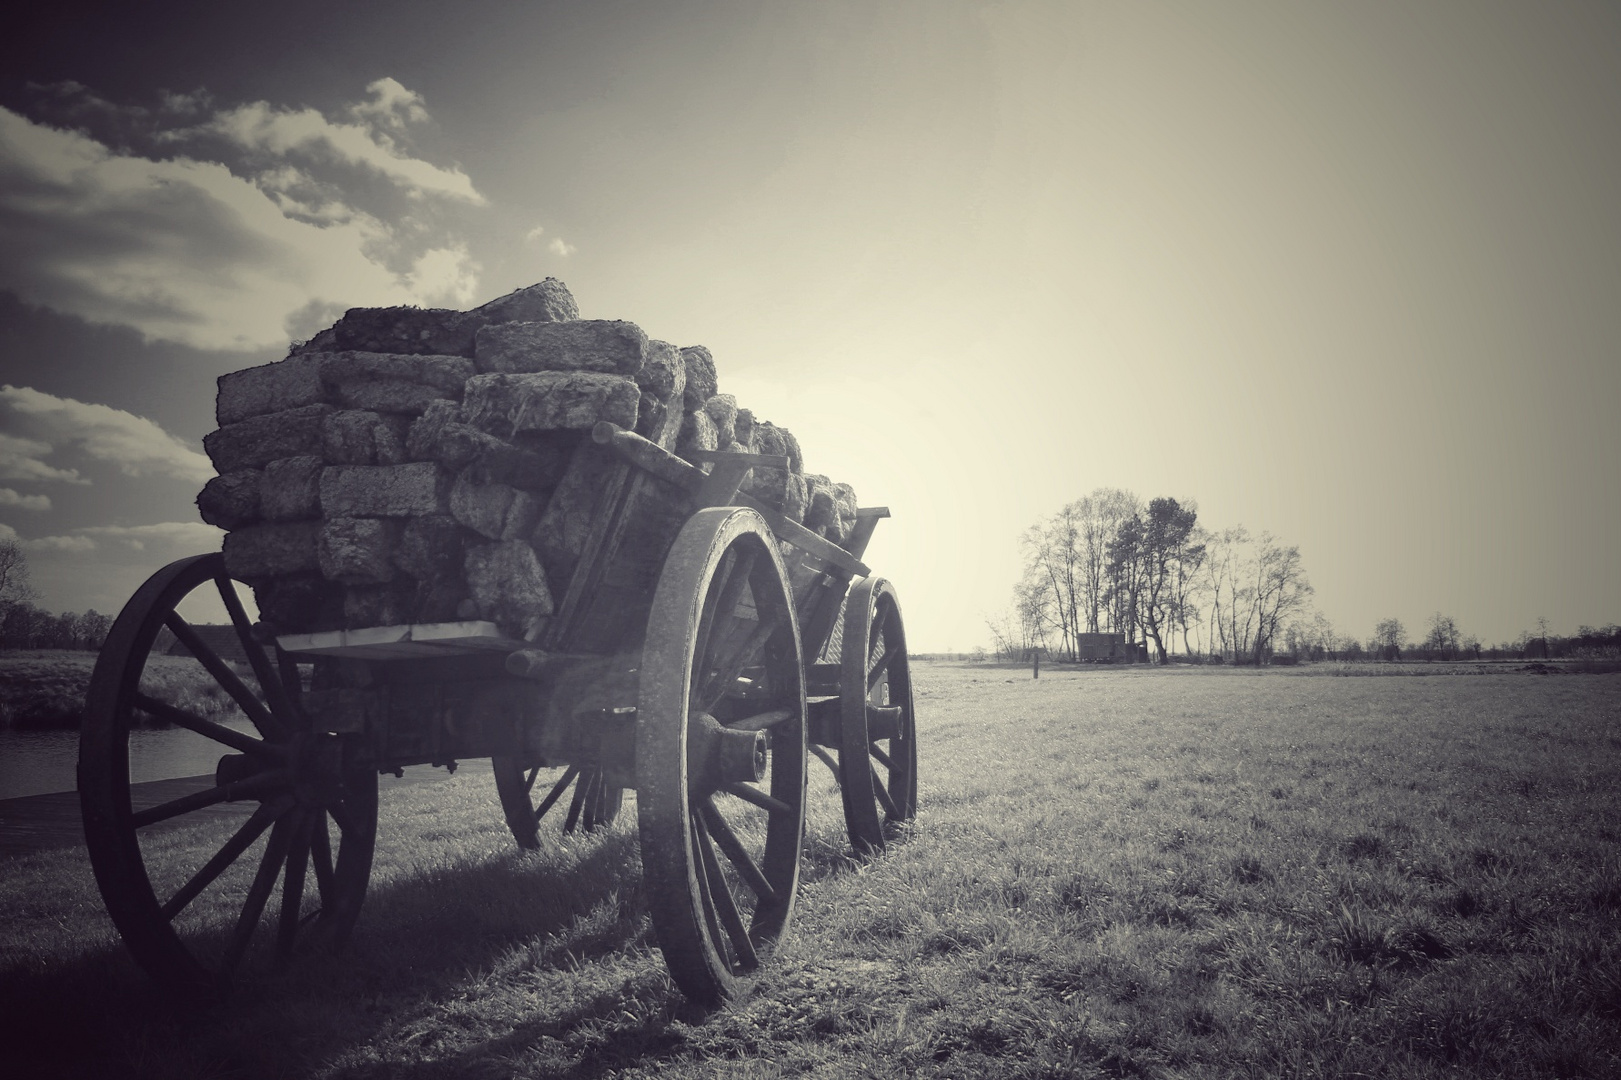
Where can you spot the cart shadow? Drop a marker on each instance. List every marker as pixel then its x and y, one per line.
pixel 420 941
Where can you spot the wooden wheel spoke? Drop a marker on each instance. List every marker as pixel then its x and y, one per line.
pixel 882 792
pixel 883 758
pixel 529 781
pixel 751 794
pixel 736 570
pixel 726 675
pixel 224 857
pixel 347 825
pixel 581 788
pixel 556 792
pixel 292 888
pixel 826 758
pixel 269 682
pixel 255 787
pixel 881 668
pixel 249 702
pixel 761 721
pixel 735 852
pixel 705 897
pixel 321 857
pixel 247 744
pixel 264 880
pixel 721 896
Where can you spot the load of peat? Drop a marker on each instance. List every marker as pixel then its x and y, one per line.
pixel 413 465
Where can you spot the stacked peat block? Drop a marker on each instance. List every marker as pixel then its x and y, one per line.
pixel 418 465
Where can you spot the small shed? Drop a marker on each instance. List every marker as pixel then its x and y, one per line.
pixel 1108 648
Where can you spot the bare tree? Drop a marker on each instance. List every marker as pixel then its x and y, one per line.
pixel 1163 545
pixel 14 586
pixel 1097 519
pixel 1388 635
pixel 1443 637
pixel 1281 589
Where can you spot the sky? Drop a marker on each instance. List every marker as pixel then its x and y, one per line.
pixel 1345 273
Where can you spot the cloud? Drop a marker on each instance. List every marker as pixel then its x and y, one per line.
pixel 278 132
pixel 213 227
pixel 136 445
pixel 559 246
pixel 60 543
pixel 19 460
pixel 191 536
pixel 534 234
pixel 391 105
pixel 9 497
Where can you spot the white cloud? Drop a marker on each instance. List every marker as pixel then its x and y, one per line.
pixel 445 277
pixel 391 105
pixel 559 246
pixel 188 536
pixel 133 443
pixel 264 127
pixel 298 213
pixel 60 543
pixel 19 460
pixel 192 535
pixel 10 497
pixel 534 234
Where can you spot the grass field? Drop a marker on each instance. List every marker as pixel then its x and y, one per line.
pixel 1149 872
pixel 44 688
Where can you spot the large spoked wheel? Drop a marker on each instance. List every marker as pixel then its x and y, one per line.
pixel 877 726
pixel 190 904
pixel 720 752
pixel 594 804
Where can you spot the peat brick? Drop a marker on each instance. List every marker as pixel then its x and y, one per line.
pixel 411 490
pixel 408 330
pixel 697 433
pixel 391 604
pixel 663 380
pixel 299 603
pixel 507 585
pixel 722 409
pixel 507 405
pixel 494 510
pixel 358 551
pixel 272 549
pixel 431 548
pixel 701 381
pixel 546 301
pixel 269 388
pixel 256 442
pixel 361 437
pixel 290 489
pixel 609 346
pixel 232 500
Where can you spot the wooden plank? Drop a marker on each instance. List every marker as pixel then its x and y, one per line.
pixel 401 642
pixel 588 566
pixel 660 462
pixel 867 520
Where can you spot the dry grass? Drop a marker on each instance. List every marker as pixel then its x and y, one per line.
pixel 1159 873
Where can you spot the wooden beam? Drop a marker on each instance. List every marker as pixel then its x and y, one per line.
pixel 665 465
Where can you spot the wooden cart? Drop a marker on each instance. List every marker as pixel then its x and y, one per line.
pixel 700 655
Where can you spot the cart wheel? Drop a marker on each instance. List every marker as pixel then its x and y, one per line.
pixel 595 802
pixel 190 925
pixel 877 729
pixel 720 752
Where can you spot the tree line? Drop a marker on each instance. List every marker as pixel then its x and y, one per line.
pixel 1110 563
pixel 24 625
